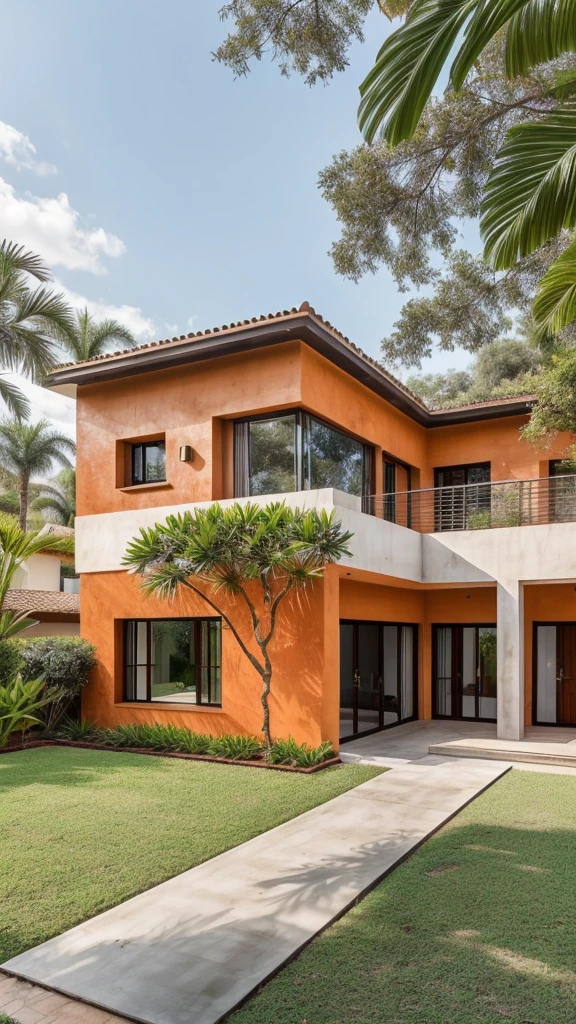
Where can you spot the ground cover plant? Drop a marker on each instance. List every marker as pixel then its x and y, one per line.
pixel 83 830
pixel 175 740
pixel 478 927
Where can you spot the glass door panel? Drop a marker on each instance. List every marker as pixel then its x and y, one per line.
pixel 555 658
pixel 378 670
pixel 464 672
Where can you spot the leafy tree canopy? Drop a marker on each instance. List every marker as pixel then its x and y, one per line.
pixel 310 37
pixel 400 208
pixel 502 368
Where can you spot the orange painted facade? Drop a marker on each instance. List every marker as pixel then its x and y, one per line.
pixel 195 404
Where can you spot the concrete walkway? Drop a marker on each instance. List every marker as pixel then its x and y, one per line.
pixel 196 946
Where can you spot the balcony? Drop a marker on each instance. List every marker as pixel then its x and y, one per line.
pixel 485 506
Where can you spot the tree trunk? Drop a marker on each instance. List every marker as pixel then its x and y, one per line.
pixel 23 493
pixel 267 680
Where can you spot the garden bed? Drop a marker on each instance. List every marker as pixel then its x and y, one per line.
pixel 251 763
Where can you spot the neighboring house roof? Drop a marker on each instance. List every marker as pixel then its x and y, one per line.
pixel 247 335
pixel 52 602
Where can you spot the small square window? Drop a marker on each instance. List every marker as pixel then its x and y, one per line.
pixel 148 462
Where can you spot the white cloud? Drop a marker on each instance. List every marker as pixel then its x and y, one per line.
pixel 19 151
pixel 45 404
pixel 191 322
pixel 54 229
pixel 142 327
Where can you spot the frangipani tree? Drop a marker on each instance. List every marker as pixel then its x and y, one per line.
pixel 257 554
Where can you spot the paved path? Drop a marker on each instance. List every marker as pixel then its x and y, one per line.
pixel 30 1004
pixel 194 947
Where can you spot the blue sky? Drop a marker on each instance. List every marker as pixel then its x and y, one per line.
pixel 162 186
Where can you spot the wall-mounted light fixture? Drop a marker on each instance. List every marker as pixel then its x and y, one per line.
pixel 186 453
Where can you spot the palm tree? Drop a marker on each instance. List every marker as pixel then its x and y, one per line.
pixel 91 337
pixel 27 449
pixel 16 545
pixel 58 498
pixel 530 193
pixel 31 322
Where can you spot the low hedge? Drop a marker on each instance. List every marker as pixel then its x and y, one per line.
pixel 64 662
pixel 174 740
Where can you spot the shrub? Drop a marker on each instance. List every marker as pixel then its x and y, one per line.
pixel 238 748
pixel 64 662
pixel 4 1019
pixel 300 755
pixel 10 660
pixel 19 702
pixel 79 731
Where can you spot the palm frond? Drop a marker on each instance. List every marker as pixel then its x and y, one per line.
pixel 554 305
pixel 14 399
pixel 530 194
pixel 16 259
pixel 540 31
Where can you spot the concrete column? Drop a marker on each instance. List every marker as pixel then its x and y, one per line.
pixel 510 625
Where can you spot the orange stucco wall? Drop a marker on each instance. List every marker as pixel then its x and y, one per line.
pixel 303 701
pixel 196 405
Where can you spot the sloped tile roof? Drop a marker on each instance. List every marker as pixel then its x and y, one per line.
pixel 50 601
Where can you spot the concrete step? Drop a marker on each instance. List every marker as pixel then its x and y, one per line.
pixel 503 750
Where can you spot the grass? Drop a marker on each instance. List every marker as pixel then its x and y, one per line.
pixel 477 927
pixel 83 830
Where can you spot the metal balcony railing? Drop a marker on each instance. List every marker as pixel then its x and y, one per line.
pixel 483 506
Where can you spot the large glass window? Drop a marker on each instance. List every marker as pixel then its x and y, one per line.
pixel 148 462
pixel 175 660
pixel 297 452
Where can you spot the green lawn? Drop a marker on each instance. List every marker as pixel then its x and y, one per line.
pixel 82 830
pixel 478 927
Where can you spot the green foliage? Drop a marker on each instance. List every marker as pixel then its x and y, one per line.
pixel 555 411
pixel 58 498
pixel 237 748
pixel 501 368
pixel 215 550
pixel 31 448
pixel 19 703
pixel 85 731
pixel 16 545
pixel 311 37
pixel 64 662
pixel 90 338
pixel 4 1019
pixel 10 659
pixel 300 755
pixel 31 319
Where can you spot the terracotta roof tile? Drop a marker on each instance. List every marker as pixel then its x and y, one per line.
pixel 285 314
pixel 33 601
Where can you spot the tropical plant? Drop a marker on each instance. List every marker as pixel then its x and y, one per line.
pixel 555 410
pixel 64 662
pixel 90 338
pixel 236 748
pixel 15 547
pixel 529 195
pixel 300 754
pixel 78 732
pixel 31 321
pixel 19 704
pixel 31 448
pixel 256 554
pixel 58 498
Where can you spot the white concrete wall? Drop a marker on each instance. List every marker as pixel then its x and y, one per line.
pixel 40 572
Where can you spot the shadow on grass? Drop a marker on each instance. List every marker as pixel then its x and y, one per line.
pixel 68 766
pixel 479 925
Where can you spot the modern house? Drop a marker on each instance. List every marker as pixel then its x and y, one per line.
pixel 458 600
pixel 46 588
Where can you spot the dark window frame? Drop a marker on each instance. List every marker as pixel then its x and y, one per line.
pixel 148 664
pixel 390 465
pixel 242 471
pixel 159 442
pixel 415 626
pixel 457 653
pixel 453 503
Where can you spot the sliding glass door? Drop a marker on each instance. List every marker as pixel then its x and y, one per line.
pixel 464 672
pixel 378 675
pixel 555 673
